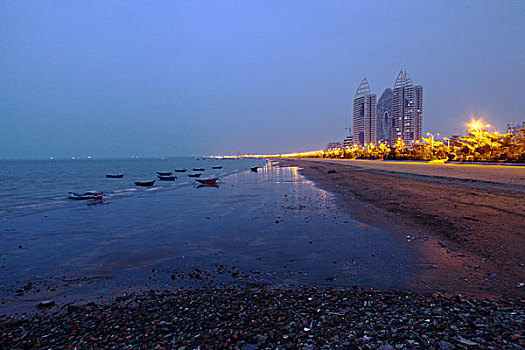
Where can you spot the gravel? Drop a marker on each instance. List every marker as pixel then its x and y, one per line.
pixel 257 317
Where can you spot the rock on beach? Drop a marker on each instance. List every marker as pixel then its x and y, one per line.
pixel 248 317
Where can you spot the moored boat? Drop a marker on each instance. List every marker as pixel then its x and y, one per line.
pixel 194 175
pixel 198 169
pixel 166 178
pixel 180 170
pixel 87 195
pixel 145 183
pixel 115 176
pixel 208 181
pixel 164 174
pixel 254 169
pixel 217 167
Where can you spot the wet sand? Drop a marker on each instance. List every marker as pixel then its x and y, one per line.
pixel 273 269
pixel 466 224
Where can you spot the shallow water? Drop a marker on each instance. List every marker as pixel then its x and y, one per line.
pixel 273 227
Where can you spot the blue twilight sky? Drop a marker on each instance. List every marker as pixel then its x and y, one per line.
pixel 120 78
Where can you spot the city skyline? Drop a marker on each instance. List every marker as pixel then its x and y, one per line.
pixel 397 115
pixel 115 79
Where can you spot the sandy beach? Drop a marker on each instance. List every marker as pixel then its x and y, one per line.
pixel 468 222
pixel 283 259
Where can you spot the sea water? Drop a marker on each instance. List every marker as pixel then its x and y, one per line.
pixel 268 227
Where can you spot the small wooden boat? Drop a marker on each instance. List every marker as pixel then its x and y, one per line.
pixel 217 167
pixel 332 171
pixel 166 178
pixel 115 176
pixel 194 175
pixel 208 181
pixel 180 170
pixel 254 169
pixel 145 183
pixel 198 169
pixel 87 195
pixel 164 174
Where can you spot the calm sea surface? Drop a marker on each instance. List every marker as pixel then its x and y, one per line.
pixel 273 227
pixel 27 187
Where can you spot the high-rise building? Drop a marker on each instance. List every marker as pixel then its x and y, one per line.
pixel 384 117
pixel 407 110
pixel 364 113
pixel 513 129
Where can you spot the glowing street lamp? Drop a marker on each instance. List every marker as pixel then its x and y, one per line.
pixel 432 142
pixel 448 141
pixel 477 125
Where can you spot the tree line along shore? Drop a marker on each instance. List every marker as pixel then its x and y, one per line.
pixel 478 145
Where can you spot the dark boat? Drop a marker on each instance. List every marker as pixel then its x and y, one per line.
pixel 254 169
pixel 145 183
pixel 194 175
pixel 166 178
pixel 208 181
pixel 87 195
pixel 198 169
pixel 180 170
pixel 217 167
pixel 164 174
pixel 115 176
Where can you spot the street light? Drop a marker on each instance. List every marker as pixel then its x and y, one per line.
pixel 477 125
pixel 432 142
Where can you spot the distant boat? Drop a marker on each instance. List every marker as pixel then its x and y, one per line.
pixel 87 195
pixel 254 169
pixel 145 183
pixel 166 178
pixel 198 169
pixel 164 174
pixel 208 181
pixel 180 170
pixel 194 175
pixel 217 167
pixel 438 161
pixel 115 176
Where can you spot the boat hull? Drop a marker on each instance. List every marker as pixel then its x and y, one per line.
pixel 167 178
pixel 85 196
pixel 207 181
pixel 145 184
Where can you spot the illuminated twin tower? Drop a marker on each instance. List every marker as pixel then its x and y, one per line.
pixel 398 114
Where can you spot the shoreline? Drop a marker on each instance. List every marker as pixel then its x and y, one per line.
pixel 242 311
pixel 468 232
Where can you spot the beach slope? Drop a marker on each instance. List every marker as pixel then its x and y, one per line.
pixel 467 221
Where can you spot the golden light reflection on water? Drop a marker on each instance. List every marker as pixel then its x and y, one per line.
pixel 273 172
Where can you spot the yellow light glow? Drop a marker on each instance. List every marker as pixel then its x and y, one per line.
pixel 477 125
